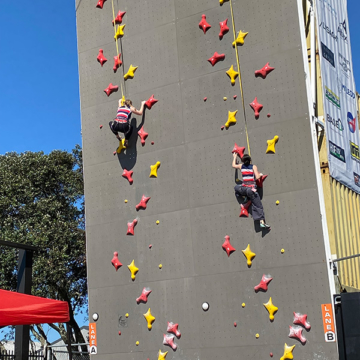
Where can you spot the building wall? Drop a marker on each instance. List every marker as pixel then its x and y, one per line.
pixel 193 196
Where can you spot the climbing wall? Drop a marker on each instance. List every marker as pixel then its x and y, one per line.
pixel 189 246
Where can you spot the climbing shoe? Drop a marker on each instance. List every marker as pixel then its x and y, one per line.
pixel 265 226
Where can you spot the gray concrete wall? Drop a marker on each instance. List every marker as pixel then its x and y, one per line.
pixel 193 196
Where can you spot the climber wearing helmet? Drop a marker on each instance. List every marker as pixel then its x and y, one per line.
pixel 247 189
pixel 122 121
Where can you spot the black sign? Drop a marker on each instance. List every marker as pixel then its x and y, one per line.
pixel 337 151
pixel 328 54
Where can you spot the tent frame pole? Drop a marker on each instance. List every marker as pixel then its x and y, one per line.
pixel 68 331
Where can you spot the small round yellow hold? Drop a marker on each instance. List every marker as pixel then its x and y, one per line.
pixel 127 315
pixel 157 222
pixel 277 202
pixel 125 201
pixel 257 336
pixel 225 98
pixel 137 343
pixel 243 305
pixel 160 266
pixel 282 251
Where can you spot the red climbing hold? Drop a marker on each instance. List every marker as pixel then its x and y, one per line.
pixel 296 332
pixel 144 296
pixel 110 89
pixel 119 332
pixel 117 62
pixel 119 16
pixel 101 126
pixel 131 225
pixel 235 324
pixel 143 135
pixel 115 261
pixel 101 58
pixel 152 143
pixel 215 58
pixel 263 285
pixel 223 28
pixel 128 175
pixel 271 354
pixel 256 107
pixel 235 96
pixel 300 319
pixel 223 127
pixel 244 209
pixel 150 246
pixel 227 246
pixel 238 150
pixel 149 103
pixel 173 328
pixel 142 203
pixel 203 24
pixel 205 98
pixel 169 340
pixel 268 115
pixel 259 182
pixel 114 153
pixel 267 69
pixel 100 4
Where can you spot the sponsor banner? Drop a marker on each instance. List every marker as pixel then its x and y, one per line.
pixel 340 106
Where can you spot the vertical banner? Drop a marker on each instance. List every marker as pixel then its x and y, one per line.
pixel 340 107
pixel 328 322
pixel 92 338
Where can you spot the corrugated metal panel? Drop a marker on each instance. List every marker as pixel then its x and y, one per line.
pixel 346 212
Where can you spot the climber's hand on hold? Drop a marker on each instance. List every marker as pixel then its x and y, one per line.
pixel 234 155
pixel 253 189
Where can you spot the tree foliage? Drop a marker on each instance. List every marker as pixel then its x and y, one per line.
pixel 42 204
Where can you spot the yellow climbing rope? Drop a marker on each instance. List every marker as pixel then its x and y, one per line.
pixel 239 71
pixel 117 52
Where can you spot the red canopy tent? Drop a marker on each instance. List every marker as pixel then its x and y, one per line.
pixel 21 309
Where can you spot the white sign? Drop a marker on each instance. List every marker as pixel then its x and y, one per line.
pixel 340 105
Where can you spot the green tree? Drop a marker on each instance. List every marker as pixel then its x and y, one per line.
pixel 42 204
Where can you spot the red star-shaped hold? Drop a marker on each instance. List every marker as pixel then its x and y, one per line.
pixel 223 28
pixel 300 319
pixel 110 89
pixel 203 24
pixel 169 340
pixel 100 4
pixel 128 175
pixel 238 150
pixel 144 296
pixel 256 107
pixel 119 17
pixel 131 226
pixel 259 182
pixel 142 203
pixel 215 58
pixel 101 58
pixel 149 103
pixel 115 261
pixel 117 62
pixel 244 209
pixel 143 135
pixel 267 69
pixel 263 285
pixel 173 328
pixel 296 332
pixel 227 246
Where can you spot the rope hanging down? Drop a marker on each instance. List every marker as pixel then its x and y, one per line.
pixel 239 71
pixel 117 51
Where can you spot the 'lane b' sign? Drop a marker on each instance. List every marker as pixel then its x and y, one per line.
pixel 328 321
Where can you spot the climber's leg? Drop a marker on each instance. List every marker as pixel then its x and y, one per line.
pixel 257 207
pixel 113 128
pixel 127 134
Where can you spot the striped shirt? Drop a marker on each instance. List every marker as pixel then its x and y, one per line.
pixel 123 114
pixel 248 175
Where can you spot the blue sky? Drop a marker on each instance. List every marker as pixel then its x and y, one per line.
pixel 39 86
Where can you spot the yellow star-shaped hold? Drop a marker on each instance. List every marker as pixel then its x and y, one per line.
pixel 221 1
pixel 119 32
pixel 271 308
pixel 162 355
pixel 240 38
pixel 154 169
pixel 288 352
pixel 121 146
pixel 130 73
pixel 248 254
pixel 231 119
pixel 149 318
pixel 133 269
pixel 271 144
pixel 232 74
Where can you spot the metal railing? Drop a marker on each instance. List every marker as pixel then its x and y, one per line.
pixel 60 352
pixel 10 355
